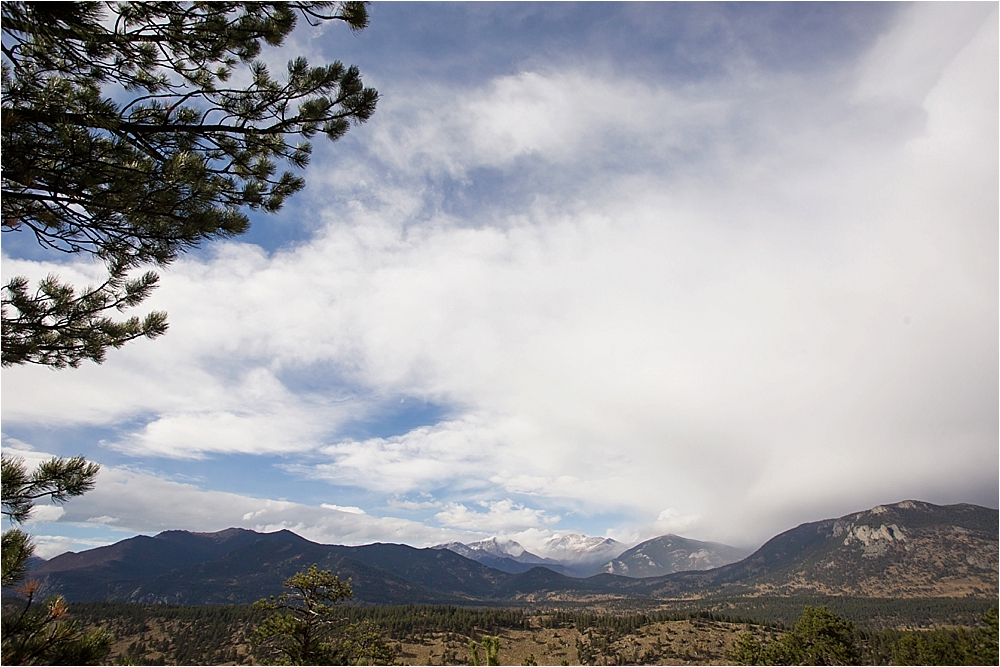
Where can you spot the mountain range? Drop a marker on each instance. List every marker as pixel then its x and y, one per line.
pixel 581 556
pixel 910 549
pixel 504 555
pixel 573 555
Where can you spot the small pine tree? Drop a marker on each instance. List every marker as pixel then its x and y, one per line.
pixel 32 633
pixel 819 637
pixel 491 651
pixel 308 630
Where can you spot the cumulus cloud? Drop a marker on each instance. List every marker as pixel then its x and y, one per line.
pixel 501 516
pixel 671 521
pixel 138 502
pixel 43 513
pixel 50 546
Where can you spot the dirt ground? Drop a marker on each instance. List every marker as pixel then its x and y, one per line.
pixel 687 642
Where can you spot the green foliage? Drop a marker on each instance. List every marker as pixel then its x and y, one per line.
pixel 819 637
pixel 308 630
pixel 210 635
pixel 58 479
pixel 988 638
pixel 948 646
pixel 747 650
pixel 16 550
pixel 491 649
pixel 361 643
pixel 935 647
pixel 34 634
pixel 869 613
pixel 413 620
pixel 124 139
pixel 55 326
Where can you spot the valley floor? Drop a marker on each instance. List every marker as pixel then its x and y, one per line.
pixel 436 635
pixel 690 642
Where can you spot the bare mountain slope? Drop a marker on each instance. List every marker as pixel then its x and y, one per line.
pixel 909 549
pixel 670 553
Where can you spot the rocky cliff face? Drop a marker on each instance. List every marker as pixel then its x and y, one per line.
pixel 909 549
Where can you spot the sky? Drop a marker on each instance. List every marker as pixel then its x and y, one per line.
pixel 620 270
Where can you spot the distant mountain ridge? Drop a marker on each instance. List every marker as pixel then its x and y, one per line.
pixel 504 555
pixel 910 549
pixel 575 555
pixel 380 573
pixel 668 554
pixel 581 556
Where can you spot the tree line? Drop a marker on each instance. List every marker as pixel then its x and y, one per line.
pixel 820 637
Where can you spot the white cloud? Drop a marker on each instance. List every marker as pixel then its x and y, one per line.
pixel 449 452
pixel 907 62
pixel 49 546
pixel 560 116
pixel 672 521
pixel 139 502
pixel 105 520
pixel 43 513
pixel 340 508
pixel 412 505
pixel 502 516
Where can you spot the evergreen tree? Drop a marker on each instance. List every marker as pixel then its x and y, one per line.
pixel 36 634
pixel 308 630
pixel 125 139
pixel 950 645
pixel 58 479
pixel 819 637
pixel 987 644
pixel 491 651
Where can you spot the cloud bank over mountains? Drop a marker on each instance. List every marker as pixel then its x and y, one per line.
pixel 714 305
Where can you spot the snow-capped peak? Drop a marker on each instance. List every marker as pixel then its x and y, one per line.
pixel 496 546
pixel 575 547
